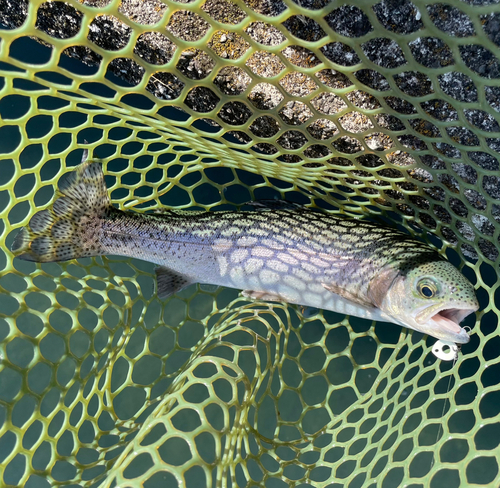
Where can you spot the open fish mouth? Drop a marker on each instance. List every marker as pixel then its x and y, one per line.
pixel 450 318
pixel 445 322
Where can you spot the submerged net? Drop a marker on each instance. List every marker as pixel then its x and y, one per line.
pixel 384 108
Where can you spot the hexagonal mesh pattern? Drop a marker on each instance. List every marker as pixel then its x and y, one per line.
pixel 385 108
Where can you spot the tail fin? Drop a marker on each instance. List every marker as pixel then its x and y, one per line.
pixel 70 228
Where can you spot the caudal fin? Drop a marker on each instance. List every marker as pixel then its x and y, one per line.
pixel 71 227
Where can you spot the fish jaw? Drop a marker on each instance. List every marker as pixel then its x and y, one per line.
pixel 444 322
pixel 437 320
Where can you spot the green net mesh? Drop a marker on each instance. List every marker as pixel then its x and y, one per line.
pixel 385 108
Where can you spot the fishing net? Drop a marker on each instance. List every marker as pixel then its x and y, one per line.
pixel 381 108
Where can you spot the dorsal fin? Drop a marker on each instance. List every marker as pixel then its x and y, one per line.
pixel 172 212
pixel 275 205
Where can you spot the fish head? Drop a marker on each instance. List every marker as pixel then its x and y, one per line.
pixel 430 297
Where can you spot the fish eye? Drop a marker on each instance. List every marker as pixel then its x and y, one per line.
pixel 427 291
pixel 427 288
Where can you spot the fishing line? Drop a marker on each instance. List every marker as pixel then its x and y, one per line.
pixel 455 359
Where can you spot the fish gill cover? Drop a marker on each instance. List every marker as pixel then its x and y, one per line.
pixel 387 108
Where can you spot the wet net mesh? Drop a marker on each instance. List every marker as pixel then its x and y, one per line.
pixel 388 109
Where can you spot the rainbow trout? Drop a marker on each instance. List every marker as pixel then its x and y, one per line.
pixel 280 252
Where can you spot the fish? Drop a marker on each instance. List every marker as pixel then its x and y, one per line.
pixel 276 251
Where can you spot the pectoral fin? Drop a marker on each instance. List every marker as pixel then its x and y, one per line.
pixel 262 295
pixel 379 286
pixel 347 295
pixel 169 282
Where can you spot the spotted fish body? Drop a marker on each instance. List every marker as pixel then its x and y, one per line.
pixel 276 252
pixel 290 254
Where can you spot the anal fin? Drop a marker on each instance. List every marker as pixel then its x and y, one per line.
pixel 169 282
